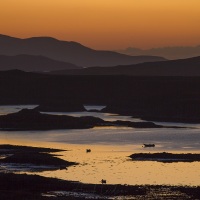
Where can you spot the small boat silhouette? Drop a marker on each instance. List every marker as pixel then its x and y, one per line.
pixel 149 145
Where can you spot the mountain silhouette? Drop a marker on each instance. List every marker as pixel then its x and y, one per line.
pixel 182 67
pixel 71 52
pixel 171 53
pixel 33 63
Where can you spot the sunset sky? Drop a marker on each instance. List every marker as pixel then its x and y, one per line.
pixel 105 24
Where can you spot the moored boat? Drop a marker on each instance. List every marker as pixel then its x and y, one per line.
pixel 149 145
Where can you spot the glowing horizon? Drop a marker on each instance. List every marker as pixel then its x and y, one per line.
pixel 105 24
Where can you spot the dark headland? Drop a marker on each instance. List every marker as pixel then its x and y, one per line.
pixel 28 119
pixel 174 99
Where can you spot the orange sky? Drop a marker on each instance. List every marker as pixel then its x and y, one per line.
pixel 105 24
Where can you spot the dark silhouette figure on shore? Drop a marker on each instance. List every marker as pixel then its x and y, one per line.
pixel 88 150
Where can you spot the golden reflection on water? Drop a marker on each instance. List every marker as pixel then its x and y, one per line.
pixel 112 163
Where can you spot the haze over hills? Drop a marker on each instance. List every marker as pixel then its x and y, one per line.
pixel 71 52
pixel 182 67
pixel 31 63
pixel 171 53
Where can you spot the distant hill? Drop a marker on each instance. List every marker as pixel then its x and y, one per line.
pixel 182 67
pixel 153 98
pixel 171 53
pixel 71 52
pixel 33 63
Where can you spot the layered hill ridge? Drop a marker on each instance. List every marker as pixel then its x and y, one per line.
pixel 182 67
pixel 31 63
pixel 71 52
pixel 172 53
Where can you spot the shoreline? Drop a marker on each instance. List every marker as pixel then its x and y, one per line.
pixel 33 158
pixel 31 119
pixel 24 186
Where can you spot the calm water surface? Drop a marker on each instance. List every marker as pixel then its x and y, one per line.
pixel 111 147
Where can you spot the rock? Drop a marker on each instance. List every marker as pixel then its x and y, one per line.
pixel 165 157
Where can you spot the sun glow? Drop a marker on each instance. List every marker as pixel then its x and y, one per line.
pixel 105 24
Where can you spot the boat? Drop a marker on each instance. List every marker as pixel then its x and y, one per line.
pixel 149 145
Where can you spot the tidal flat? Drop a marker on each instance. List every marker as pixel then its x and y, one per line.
pixel 23 186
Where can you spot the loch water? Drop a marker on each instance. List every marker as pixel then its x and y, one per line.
pixel 110 151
